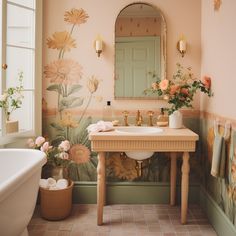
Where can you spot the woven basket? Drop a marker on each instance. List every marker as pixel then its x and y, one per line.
pixel 56 204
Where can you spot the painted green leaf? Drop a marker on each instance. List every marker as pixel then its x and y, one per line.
pixel 69 102
pixel 74 88
pixel 57 126
pixel 55 88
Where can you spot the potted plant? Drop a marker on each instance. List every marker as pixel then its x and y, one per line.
pixel 10 100
pixel 179 92
pixel 55 204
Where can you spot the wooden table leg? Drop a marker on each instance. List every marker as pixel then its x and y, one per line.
pixel 184 187
pixel 173 172
pixel 100 187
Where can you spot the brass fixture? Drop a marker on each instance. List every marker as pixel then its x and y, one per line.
pixel 4 66
pixel 139 119
pixel 150 114
pixel 98 45
pixel 125 113
pixel 139 168
pixel 182 46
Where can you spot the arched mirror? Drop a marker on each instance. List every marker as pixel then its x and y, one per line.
pixel 140 50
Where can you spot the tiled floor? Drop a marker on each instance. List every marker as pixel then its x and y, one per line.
pixel 125 220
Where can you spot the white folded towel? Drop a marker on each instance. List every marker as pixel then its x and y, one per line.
pixel 62 183
pixel 43 183
pixel 100 126
pixel 51 183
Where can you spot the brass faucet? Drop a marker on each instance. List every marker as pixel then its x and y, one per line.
pixel 125 113
pixel 139 119
pixel 150 114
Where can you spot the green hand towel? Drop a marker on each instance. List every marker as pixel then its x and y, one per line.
pixel 216 157
pixel 222 159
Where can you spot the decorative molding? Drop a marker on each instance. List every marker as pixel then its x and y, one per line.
pixel 218 219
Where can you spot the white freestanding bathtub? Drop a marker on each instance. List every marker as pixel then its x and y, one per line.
pixel 20 171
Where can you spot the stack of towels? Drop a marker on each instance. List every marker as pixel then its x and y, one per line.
pixel 52 184
pixel 100 126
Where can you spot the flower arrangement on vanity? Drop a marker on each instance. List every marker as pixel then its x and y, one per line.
pixel 11 100
pixel 179 92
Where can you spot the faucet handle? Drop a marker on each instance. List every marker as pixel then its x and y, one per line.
pixel 150 114
pixel 125 113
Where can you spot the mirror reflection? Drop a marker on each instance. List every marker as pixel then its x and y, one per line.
pixel 140 50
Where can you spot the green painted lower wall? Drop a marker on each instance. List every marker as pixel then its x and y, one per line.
pixel 131 193
pixel 222 225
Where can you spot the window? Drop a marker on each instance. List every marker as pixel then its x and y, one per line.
pixel 21 39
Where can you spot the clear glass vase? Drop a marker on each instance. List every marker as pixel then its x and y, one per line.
pixel 59 172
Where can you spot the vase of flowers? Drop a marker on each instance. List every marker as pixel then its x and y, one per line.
pixel 55 203
pixel 179 92
pixel 11 100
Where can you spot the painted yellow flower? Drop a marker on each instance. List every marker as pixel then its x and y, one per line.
pixel 76 16
pixel 68 121
pixel 123 169
pixel 92 84
pixel 79 153
pixel 61 40
pixel 63 71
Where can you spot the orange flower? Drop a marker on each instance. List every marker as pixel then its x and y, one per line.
pixel 76 16
pixel 185 91
pixel 79 153
pixel 61 40
pixel 164 84
pixel 63 71
pixel 206 80
pixel 174 89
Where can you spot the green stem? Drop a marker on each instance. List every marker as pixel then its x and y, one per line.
pixel 85 109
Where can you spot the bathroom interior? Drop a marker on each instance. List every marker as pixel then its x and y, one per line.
pixel 66 59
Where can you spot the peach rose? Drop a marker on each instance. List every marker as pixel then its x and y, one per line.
pixel 65 145
pixel 206 80
pixel 39 141
pixel 173 89
pixel 164 84
pixel 154 86
pixel 30 143
pixel 185 91
pixel 45 147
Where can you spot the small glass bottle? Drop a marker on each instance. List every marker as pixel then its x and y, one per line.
pixel 107 112
pixel 162 119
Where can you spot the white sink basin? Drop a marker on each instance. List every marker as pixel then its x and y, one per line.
pixel 137 130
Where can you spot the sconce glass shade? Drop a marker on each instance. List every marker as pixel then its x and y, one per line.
pixel 98 44
pixel 182 46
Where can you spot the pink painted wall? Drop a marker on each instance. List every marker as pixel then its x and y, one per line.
pixel 219 57
pixel 131 26
pixel 182 17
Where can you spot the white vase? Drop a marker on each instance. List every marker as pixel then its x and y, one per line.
pixel 176 120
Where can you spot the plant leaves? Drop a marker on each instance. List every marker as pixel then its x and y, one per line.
pixel 69 102
pixel 57 126
pixel 74 88
pixel 55 88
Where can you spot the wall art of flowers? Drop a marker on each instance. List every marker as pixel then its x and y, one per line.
pixel 64 76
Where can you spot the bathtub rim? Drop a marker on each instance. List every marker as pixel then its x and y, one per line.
pixel 18 178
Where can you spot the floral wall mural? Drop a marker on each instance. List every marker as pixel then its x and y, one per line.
pixel 77 84
pixel 223 190
pixel 64 75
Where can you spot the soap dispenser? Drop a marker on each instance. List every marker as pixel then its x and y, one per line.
pixel 107 112
pixel 162 119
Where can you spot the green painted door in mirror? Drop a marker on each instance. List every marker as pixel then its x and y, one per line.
pixel 137 59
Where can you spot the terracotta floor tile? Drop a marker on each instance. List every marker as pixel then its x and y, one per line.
pixel 128 220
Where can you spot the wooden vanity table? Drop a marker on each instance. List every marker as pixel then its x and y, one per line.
pixel 170 140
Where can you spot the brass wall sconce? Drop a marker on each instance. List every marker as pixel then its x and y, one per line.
pixel 182 46
pixel 98 45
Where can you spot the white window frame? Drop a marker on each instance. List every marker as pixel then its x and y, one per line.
pixel 37 109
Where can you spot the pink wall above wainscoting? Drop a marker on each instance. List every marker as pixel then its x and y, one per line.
pixel 182 18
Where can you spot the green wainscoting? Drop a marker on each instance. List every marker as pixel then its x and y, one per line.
pixel 131 193
pixel 220 222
